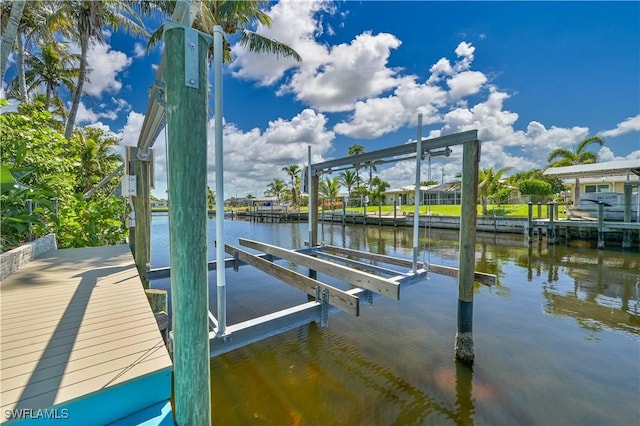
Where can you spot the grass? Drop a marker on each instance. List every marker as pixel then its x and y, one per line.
pixel 505 210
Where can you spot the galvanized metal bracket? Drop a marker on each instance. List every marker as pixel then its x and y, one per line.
pixel 191 66
pixel 160 92
pixel 191 52
pixel 143 154
pixel 322 297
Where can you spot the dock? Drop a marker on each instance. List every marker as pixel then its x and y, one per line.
pixel 605 233
pixel 80 344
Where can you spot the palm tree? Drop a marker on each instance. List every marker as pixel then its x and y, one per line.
pixel 96 152
pixel 276 188
pixel 88 20
pixel 233 17
pixel 10 31
pixel 293 171
pixel 356 149
pixel 379 186
pixel 561 157
pixel 330 188
pixel 52 70
pixel 33 28
pixel 488 184
pixel 349 179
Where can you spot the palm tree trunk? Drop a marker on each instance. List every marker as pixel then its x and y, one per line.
pixel 22 81
pixel 576 195
pixel 9 36
pixel 77 94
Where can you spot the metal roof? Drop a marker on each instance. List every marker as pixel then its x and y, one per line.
pixel 609 168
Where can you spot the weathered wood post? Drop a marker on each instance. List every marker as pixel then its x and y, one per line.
pixel 344 210
pixel 539 210
pixel 187 106
pixel 530 220
pixel 600 224
pixel 142 207
pixel 626 233
pixel 468 213
pixel 551 229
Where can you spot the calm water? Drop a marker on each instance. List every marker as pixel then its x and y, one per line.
pixel 556 342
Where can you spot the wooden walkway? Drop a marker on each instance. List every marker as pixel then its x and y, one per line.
pixel 78 340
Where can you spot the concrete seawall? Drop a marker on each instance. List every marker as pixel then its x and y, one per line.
pixel 484 223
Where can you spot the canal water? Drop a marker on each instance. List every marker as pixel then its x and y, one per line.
pixel 557 341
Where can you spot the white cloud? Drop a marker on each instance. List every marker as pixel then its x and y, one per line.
pixel 104 64
pixel 466 83
pixel 293 23
pixel 328 78
pixel 85 115
pixel 352 71
pixel 139 51
pixel 631 124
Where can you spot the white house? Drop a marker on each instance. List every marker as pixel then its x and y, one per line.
pixel 609 176
pixel 447 193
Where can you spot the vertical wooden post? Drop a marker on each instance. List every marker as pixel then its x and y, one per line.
pixel 468 213
pixel 626 233
pixel 141 204
pixel 187 131
pixel 551 229
pixel 600 225
pixel 530 220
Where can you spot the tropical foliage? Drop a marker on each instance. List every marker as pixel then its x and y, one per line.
pixel 561 157
pixel 41 170
pixel 490 185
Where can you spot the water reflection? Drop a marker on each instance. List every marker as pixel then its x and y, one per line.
pixel 319 378
pixel 600 289
pixel 556 340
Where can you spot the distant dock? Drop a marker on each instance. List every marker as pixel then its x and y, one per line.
pixel 80 344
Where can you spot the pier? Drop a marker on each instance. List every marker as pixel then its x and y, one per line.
pixel 80 342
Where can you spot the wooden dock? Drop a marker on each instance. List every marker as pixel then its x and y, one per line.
pixel 604 232
pixel 79 343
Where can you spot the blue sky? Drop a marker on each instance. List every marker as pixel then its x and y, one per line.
pixel 530 77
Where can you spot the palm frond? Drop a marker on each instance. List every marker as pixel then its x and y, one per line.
pixel 257 43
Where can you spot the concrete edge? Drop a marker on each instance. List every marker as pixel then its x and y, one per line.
pixel 19 257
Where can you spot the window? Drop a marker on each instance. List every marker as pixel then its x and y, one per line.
pixel 596 188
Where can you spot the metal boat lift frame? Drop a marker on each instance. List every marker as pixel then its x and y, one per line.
pixel 378 280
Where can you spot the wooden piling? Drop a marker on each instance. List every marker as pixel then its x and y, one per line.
pixel 141 204
pixel 626 234
pixel 551 229
pixel 530 221
pixel 468 213
pixel 187 132
pixel 600 224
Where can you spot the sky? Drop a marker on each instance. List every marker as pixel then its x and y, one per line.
pixel 529 76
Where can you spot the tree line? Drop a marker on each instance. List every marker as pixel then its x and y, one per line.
pixel 49 167
pixel 493 185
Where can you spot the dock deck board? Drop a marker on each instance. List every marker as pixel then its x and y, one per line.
pixel 75 324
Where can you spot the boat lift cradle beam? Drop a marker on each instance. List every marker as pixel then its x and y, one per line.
pixel 257 329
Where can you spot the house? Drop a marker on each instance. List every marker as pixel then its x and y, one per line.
pixel 158 204
pixel 447 193
pixel 609 176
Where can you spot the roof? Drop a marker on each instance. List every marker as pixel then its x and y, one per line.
pixel 609 168
pixel 446 187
